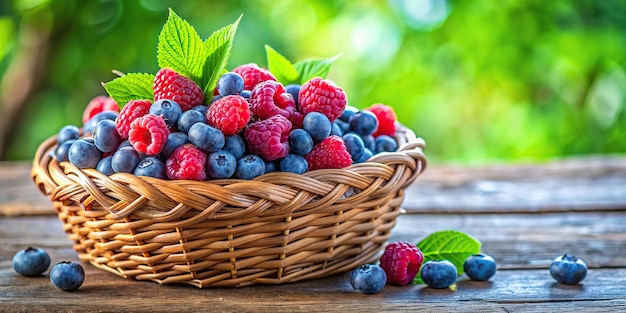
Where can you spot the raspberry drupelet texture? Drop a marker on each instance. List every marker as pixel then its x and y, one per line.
pixel 269 138
pixel 131 111
pixel 386 119
pixel 97 105
pixel 186 162
pixel 269 98
pixel 148 134
pixel 319 95
pixel 229 114
pixel 253 74
pixel 168 84
pixel 401 261
pixel 329 153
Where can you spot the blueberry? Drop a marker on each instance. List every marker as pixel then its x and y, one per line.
pixel 91 124
pixel 368 278
pixel 221 164
pixel 235 145
pixel 67 275
pixel 384 143
pixel 84 154
pixel 125 143
pixel 367 154
pixel 151 167
pixel 246 94
pixel 354 145
pixel 174 140
pixel 249 167
pixel 188 118
pixel 201 108
pixel 294 163
pixel 168 109
pixel 318 125
pixel 61 150
pixel 68 132
pixel 568 269
pixel 125 160
pixel 271 166
pixel 31 262
pixel 479 267
pixel 104 166
pixel 344 126
pixel 105 136
pixel 370 142
pixel 336 130
pixel 230 84
pixel 206 138
pixel 300 141
pixel 364 123
pixel 348 113
pixel 294 90
pixel 439 274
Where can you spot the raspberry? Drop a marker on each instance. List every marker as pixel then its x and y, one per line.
pixel 401 262
pixel 319 95
pixel 329 153
pixel 269 138
pixel 170 85
pixel 386 119
pixel 148 134
pixel 186 162
pixel 130 112
pixel 269 98
pixel 229 114
pixel 252 75
pixel 99 104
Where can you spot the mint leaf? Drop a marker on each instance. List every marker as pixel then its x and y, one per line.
pixel 451 245
pixel 314 67
pixel 217 49
pixel 282 68
pixel 180 48
pixel 133 86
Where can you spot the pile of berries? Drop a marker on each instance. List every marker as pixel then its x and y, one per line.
pixel 253 125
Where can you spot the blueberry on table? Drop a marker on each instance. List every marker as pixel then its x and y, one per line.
pixel 67 275
pixel 479 267
pixel 368 278
pixel 568 269
pixel 439 274
pixel 31 262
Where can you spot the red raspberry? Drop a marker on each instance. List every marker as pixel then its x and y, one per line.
pixel 386 119
pixel 170 85
pixel 269 138
pixel 130 112
pixel 269 98
pixel 253 74
pixel 229 114
pixel 186 162
pixel 97 105
pixel 401 262
pixel 319 95
pixel 148 134
pixel 329 153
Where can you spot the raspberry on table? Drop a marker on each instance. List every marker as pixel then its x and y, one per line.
pixel 229 114
pixel 269 138
pixel 130 112
pixel 148 134
pixel 386 119
pixel 329 153
pixel 401 261
pixel 186 162
pixel 99 104
pixel 253 74
pixel 269 98
pixel 168 84
pixel 319 95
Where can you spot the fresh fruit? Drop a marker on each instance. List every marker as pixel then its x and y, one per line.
pixel 364 123
pixel 401 261
pixel 230 84
pixel 354 145
pixel 174 140
pixel 384 143
pixel 31 262
pixel 439 274
pixel 368 278
pixel 148 134
pixel 294 163
pixel 320 95
pixel 294 90
pixel 105 167
pixel 131 111
pixel 62 150
pixel 91 124
pixel 206 138
pixel 186 162
pixel 99 104
pixel 151 167
pixel 300 141
pixel 317 125
pixel 67 275
pixel 168 84
pixel 249 167
pixel 229 114
pixel 221 164
pixel 167 109
pixel 124 160
pixel 84 154
pixel 269 138
pixel 269 98
pixel 479 267
pixel 105 136
pixel 329 153
pixel 188 118
pixel 367 154
pixel 67 132
pixel 252 74
pixel 235 145
pixel 568 269
pixel 386 117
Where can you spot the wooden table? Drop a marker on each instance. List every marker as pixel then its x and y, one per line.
pixel 524 214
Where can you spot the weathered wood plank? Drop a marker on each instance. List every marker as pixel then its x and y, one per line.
pixel 18 194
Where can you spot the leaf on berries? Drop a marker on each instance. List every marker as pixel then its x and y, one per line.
pixel 132 86
pixel 217 49
pixel 451 245
pixel 180 48
pixel 280 67
pixel 314 67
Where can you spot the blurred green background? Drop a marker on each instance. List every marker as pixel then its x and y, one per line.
pixel 481 81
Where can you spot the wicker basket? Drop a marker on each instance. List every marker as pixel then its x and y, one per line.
pixel 277 228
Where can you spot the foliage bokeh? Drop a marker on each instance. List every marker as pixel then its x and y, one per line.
pixel 479 80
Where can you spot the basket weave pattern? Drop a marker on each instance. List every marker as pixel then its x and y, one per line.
pixel 277 228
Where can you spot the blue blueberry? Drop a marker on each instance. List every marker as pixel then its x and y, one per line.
pixel 104 166
pixel 125 143
pixel 369 141
pixel 271 166
pixel 61 150
pixel 230 84
pixel 67 275
pixel 336 130
pixel 83 153
pixel 221 164
pixel 368 278
pixel 150 167
pixel 294 163
pixel 479 267
pixel 91 124
pixel 568 269
pixel 247 94
pixel 354 145
pixel 201 108
pixel 174 140
pixel 367 154
pixel 364 123
pixel 318 125
pixel 105 136
pixel 294 91
pixel 206 138
pixel 344 126
pixel 235 145
pixel 348 113
pixel 188 118
pixel 384 143
pixel 439 274
pixel 168 109
pixel 249 167
pixel 300 141
pixel 31 262
pixel 68 132
pixel 125 160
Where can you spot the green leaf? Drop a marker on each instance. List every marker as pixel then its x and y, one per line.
pixel 180 48
pixel 451 245
pixel 314 67
pixel 280 67
pixel 133 86
pixel 217 49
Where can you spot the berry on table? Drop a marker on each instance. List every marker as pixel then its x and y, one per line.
pixel 249 167
pixel 329 153
pixel 230 84
pixel 252 74
pixel 99 104
pixel 401 262
pixel 568 269
pixel 294 163
pixel 67 132
pixel 439 274
pixel 133 110
pixel 386 119
pixel 31 262
pixel 318 125
pixel 67 275
pixel 150 167
pixel 186 162
pixel 167 109
pixel 221 164
pixel 148 134
pixel 83 153
pixel 229 114
pixel 368 278
pixel 168 84
pixel 479 267
pixel 269 138
pixel 319 95
pixel 125 159
pixel 207 138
